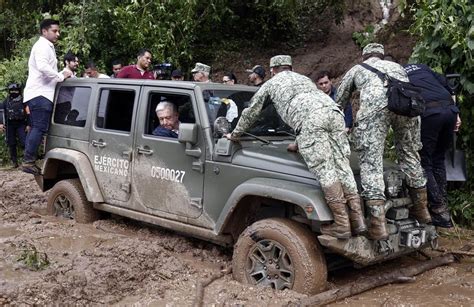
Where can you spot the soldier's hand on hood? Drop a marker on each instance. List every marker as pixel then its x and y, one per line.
pixel 293 147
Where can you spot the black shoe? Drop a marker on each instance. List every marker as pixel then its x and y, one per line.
pixel 441 220
pixel 31 168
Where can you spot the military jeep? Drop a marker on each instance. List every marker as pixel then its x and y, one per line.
pixel 101 155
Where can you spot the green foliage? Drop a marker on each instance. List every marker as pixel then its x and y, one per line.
pixel 461 204
pixel 364 37
pixel 33 259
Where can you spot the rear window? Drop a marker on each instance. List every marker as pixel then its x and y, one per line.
pixel 72 105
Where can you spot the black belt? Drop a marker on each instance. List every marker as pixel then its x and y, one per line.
pixel 434 104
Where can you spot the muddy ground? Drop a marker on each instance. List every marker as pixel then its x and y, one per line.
pixel 123 262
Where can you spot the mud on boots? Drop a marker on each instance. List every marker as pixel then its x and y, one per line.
pixel 419 210
pixel 341 227
pixel 356 216
pixel 378 223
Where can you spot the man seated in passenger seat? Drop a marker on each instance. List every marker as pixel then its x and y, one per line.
pixel 167 114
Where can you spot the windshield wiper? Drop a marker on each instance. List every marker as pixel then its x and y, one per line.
pixel 282 132
pixel 257 138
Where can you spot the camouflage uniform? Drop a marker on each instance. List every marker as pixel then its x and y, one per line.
pixel 317 120
pixel 372 123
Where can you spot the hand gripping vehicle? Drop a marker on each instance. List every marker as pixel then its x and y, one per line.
pixel 101 155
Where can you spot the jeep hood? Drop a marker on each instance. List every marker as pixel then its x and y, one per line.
pixel 276 158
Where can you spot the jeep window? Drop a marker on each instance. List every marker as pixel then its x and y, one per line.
pixel 182 102
pixel 115 110
pixel 231 103
pixel 72 105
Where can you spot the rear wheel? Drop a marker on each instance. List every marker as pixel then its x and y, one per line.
pixel 281 254
pixel 68 200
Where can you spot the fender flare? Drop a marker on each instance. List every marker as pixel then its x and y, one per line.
pixel 300 194
pixel 83 167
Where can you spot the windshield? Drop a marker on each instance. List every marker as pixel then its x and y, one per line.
pixel 231 103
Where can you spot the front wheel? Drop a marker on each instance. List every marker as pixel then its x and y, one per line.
pixel 281 254
pixel 68 200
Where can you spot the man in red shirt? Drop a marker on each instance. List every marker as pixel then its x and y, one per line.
pixel 139 70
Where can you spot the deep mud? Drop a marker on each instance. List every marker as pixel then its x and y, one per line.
pixel 123 262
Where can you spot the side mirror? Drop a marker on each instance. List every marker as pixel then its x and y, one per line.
pixel 188 133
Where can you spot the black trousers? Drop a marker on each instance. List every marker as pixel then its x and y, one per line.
pixel 15 134
pixel 436 136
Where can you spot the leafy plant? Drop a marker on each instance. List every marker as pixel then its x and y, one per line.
pixel 33 259
pixel 364 37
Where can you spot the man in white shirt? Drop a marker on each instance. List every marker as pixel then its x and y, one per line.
pixel 92 72
pixel 43 76
pixel 71 62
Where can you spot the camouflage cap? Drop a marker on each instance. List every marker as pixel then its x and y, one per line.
pixel 373 48
pixel 280 60
pixel 201 67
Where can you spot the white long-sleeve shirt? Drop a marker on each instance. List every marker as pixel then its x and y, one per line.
pixel 43 72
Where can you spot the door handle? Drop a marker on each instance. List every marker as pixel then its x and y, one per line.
pixel 144 151
pixel 99 144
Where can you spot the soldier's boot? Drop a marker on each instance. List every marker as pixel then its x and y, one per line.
pixel 440 215
pixel 419 210
pixel 341 227
pixel 356 216
pixel 378 223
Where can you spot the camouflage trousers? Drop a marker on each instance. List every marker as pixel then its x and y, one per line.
pixel 325 148
pixel 368 139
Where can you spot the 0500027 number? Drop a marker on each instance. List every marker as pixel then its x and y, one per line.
pixel 167 174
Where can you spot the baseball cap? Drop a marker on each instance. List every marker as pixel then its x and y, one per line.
pixel 258 69
pixel 280 60
pixel 176 73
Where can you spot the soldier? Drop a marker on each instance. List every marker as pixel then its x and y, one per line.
pixel 319 125
pixel 370 130
pixel 201 72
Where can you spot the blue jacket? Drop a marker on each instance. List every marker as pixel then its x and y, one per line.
pixel 347 111
pixel 434 87
pixel 161 131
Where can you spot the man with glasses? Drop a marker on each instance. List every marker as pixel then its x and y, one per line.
pixel 229 79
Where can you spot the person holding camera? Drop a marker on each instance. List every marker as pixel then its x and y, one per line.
pixel 139 70
pixel 14 121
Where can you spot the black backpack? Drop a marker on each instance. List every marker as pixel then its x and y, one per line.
pixel 404 98
pixel 15 109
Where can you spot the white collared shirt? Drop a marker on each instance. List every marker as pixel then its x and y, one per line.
pixel 42 71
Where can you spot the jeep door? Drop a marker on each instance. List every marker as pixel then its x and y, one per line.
pixel 166 180
pixel 111 140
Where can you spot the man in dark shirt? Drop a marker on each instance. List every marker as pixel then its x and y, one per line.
pixel 257 75
pixel 324 83
pixel 14 121
pixel 437 125
pixel 168 116
pixel 139 70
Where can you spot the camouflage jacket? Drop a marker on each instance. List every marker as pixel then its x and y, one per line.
pixel 294 96
pixel 372 91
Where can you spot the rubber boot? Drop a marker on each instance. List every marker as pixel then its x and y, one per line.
pixel 341 227
pixel 378 223
pixel 440 215
pixel 356 216
pixel 419 210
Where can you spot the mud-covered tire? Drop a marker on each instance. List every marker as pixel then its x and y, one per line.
pixel 68 200
pixel 298 257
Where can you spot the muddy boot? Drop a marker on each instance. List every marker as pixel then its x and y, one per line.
pixel 378 223
pixel 419 210
pixel 440 215
pixel 356 216
pixel 341 227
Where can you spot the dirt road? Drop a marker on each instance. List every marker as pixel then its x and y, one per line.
pixel 119 261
